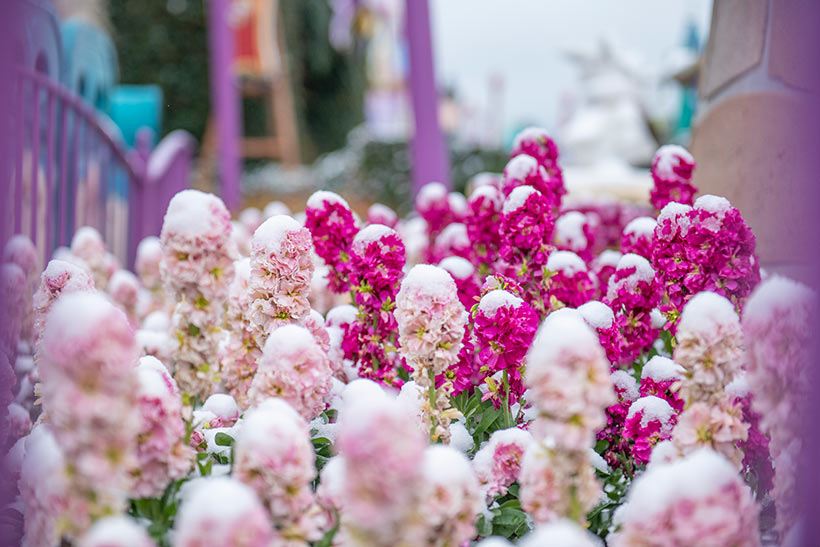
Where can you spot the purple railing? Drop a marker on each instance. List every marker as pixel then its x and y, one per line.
pixel 71 169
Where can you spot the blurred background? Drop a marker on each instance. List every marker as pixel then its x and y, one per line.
pixel 324 86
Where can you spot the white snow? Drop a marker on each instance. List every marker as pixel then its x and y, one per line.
pixel 663 485
pixel 569 230
pixel 609 257
pixel 460 438
pixel 447 466
pixel 151 379
pixel 597 314
pixel 150 246
pixel 429 280
pixel 705 312
pixel 119 531
pixel 517 198
pixel 714 204
pixel 641 226
pixel 497 298
pixel 380 210
pixel 223 405
pixel 531 133
pixel 667 158
pixel 565 262
pixel 643 269
pixel 191 213
pixel 235 499
pixel 341 315
pixel 274 230
pixel 318 199
pixel 598 462
pixel 430 193
pixel 658 319
pixel 624 381
pixel 662 369
pixel 672 210
pixel 78 314
pixel 453 235
pixel 289 340
pixel 777 293
pixel 490 193
pixel 520 166
pixel 653 409
pixel 558 334
pixel 459 268
pixel 86 235
pixel 457 203
pixel 372 232
pixel 122 279
pixel 563 533
pixel 739 387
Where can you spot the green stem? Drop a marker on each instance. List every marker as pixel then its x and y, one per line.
pixel 508 423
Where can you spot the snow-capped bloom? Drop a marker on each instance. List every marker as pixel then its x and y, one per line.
pixel 568 377
pixel 526 227
pixel 281 272
pixel 536 142
pixel 600 317
pixel 88 245
pixel 124 289
pixel 699 500
pixel 450 496
pixel 574 232
pixel 240 351
pixel 561 532
pixel 44 488
pixel 147 262
pixel 637 237
pixel 162 453
pixel 382 450
pixel 524 170
pixel 273 455
pixel 332 227
pixel 433 206
pixel 556 483
pixel 116 531
pixel 658 377
pixel 504 326
pixel 294 368
pixel 498 463
pixel 649 421
pixel 89 392
pixel 59 277
pixel 603 266
pixel 453 240
pixel 222 511
pixel 707 247
pixel 482 223
pixel 464 274
pixel 570 282
pixel 379 213
pixel 671 170
pixel 709 346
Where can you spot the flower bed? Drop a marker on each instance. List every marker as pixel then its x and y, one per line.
pixel 494 365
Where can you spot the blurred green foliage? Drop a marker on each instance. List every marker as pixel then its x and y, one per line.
pixel 166 42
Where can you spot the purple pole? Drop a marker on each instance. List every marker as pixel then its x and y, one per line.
pixel 430 161
pixel 224 101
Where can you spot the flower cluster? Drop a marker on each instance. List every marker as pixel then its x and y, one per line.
pixel 616 453
pixel 570 283
pixel 707 247
pixel 524 170
pixel 575 231
pixel 240 352
pixel 430 322
pixel 332 227
pixel 777 330
pixel 671 170
pixel 504 326
pixel 274 456
pixel 637 237
pixel 699 500
pixel 498 463
pixel 162 453
pixel 88 246
pixel 377 259
pixel 536 142
pixel 281 272
pixel 89 387
pixel 294 368
pixel 197 266
pixel 482 223
pixel 147 267
pixel 650 420
pixel 600 317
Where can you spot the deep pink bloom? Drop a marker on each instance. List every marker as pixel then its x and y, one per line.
pixel 671 170
pixel 332 227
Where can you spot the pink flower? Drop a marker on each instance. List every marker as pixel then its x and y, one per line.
pixel 58 278
pixel 162 454
pixel 240 351
pixel 498 463
pixel 464 275
pixel 649 421
pixel 524 170
pixel 600 317
pixel 569 283
pixel 453 240
pixel 700 500
pixel 556 484
pixel 536 142
pixel 671 170
pixel 273 455
pixel 574 231
pixel 294 368
pixel 222 511
pixel 382 214
pixel 87 245
pixel 482 223
pixel 332 227
pixel 659 376
pixel 637 237
pixel 718 426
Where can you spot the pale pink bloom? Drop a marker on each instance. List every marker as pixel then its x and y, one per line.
pixel 382 451
pixel 699 501
pixel 44 488
pixel 239 352
pixel 163 455
pixel 557 483
pixel 498 463
pixel 13 290
pixel 717 425
pixel 568 378
pixel 273 455
pixel 124 290
pixel 221 511
pixel 21 251
pixel 118 531
pixel 87 244
pixel 430 319
pixel 293 367
pixel 450 496
pixel 59 277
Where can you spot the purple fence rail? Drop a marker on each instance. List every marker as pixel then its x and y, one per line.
pixel 71 169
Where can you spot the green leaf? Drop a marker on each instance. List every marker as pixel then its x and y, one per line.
pixel 484 527
pixel 223 439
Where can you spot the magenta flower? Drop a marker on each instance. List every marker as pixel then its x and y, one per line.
pixel 524 170
pixel 570 283
pixel 671 170
pixel 332 227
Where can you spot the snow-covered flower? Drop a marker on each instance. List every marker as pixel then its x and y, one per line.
pixel 498 463
pixel 332 227
pixel 671 170
pixel 116 531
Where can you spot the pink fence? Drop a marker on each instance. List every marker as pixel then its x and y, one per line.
pixel 70 168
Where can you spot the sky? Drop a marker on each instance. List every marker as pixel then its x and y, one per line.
pixel 522 41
